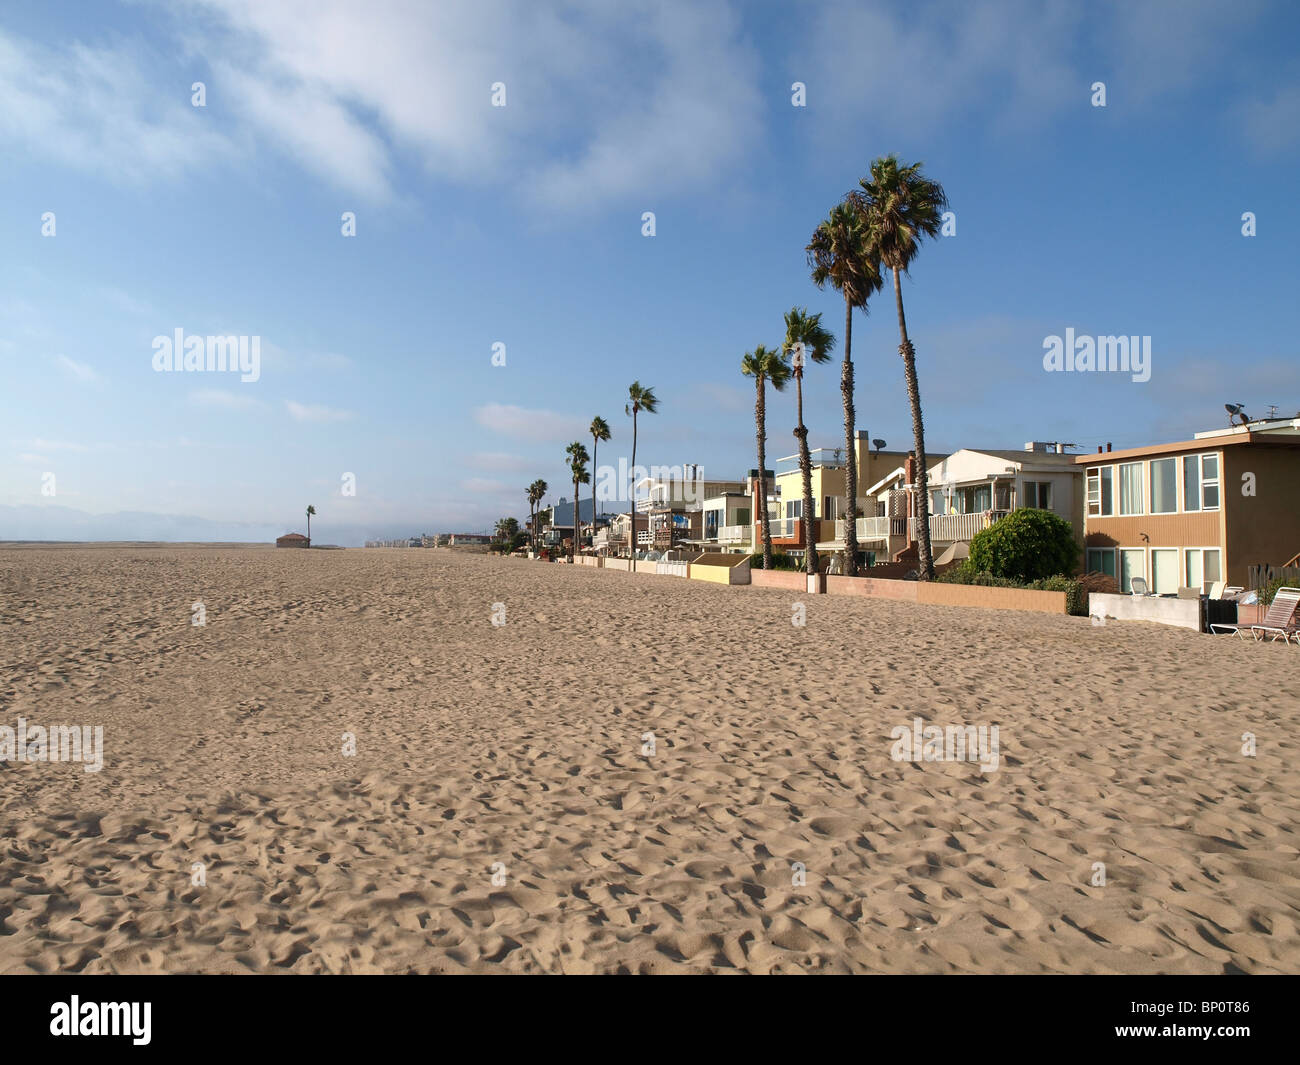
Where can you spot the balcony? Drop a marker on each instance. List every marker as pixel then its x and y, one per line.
pixel 951 527
pixel 872 529
pixel 825 457
pixel 734 534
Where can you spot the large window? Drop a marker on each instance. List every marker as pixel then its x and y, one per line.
pixel 1201 482
pixel 1101 492
pixel 1164 570
pixel 937 501
pixel 1101 560
pixel 1132 563
pixel 1202 567
pixel 831 508
pixel 1164 486
pixel 1130 488
pixel 1038 494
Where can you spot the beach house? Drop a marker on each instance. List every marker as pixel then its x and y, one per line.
pixel 969 490
pixel 669 506
pixel 1193 512
pixel 292 539
pixel 875 465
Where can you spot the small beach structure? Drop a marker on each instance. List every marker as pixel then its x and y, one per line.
pixel 293 540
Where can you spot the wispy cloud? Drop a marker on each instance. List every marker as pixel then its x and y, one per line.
pixel 80 372
pixel 215 397
pixel 532 424
pixel 305 412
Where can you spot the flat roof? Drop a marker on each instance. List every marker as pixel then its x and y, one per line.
pixel 1208 443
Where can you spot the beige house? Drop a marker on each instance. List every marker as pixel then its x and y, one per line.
pixel 1188 514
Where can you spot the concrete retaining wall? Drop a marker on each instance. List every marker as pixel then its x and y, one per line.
pixel 792 580
pixel 672 569
pixel 624 564
pixel 1183 613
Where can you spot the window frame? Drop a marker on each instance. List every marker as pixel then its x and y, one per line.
pixel 1151 479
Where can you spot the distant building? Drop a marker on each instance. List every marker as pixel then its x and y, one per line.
pixel 293 540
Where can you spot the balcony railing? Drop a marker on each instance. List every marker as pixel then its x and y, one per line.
pixel 959 526
pixel 871 528
pixel 734 534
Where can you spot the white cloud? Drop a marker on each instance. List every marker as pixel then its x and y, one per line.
pixel 500 462
pixel 303 412
pixel 81 372
pixel 58 445
pixel 215 397
pixel 483 486
pixel 95 109
pixel 533 424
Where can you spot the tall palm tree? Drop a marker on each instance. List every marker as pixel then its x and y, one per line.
pixel 578 459
pixel 764 365
pixel 899 206
pixel 310 511
pixel 639 399
pixel 838 253
pixel 536 493
pixel 806 329
pixel 599 430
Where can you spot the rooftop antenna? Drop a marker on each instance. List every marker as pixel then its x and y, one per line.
pixel 1272 411
pixel 1236 410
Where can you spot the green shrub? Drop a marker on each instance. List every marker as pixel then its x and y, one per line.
pixel 1026 545
pixel 1076 595
pixel 1270 589
pixel 780 560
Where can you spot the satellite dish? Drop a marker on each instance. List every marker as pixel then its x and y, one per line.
pixel 1235 410
pixel 877 443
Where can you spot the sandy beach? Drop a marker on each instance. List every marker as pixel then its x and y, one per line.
pixel 499 813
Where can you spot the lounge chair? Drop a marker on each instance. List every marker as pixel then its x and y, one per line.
pixel 1138 586
pixel 1280 619
pixel 1216 589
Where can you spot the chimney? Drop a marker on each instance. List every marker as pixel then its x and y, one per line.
pixel 1107 445
pixel 1100 449
pixel 909 468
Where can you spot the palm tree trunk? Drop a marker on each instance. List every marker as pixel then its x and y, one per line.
pixel 595 442
pixel 850 456
pixel 573 544
pixel 631 496
pixel 760 430
pixel 805 465
pixel 925 567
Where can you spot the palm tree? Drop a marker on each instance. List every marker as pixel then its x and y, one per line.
pixel 599 430
pixel 806 329
pixel 898 207
pixel 639 399
pixel 578 459
pixel 310 511
pixel 838 253
pixel 764 365
pixel 536 493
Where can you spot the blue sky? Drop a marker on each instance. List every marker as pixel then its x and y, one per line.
pixel 522 225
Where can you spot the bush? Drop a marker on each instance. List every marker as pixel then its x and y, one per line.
pixel 1270 589
pixel 1076 597
pixel 1026 545
pixel 780 560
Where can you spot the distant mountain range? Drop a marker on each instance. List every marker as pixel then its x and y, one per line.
pixel 28 522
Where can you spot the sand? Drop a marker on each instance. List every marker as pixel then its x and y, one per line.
pixel 522 744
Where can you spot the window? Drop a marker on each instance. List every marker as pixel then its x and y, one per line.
pixel 1164 486
pixel 1038 494
pixel 1101 560
pixel 794 508
pixel 1132 563
pixel 1101 491
pixel 1202 567
pixel 1209 482
pixel 711 523
pixel 1201 482
pixel 830 508
pixel 1164 570
pixel 742 515
pixel 936 501
pixel 1130 488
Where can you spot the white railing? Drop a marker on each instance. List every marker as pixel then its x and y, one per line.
pixel 867 529
pixel 958 526
pixel 734 534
